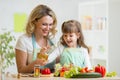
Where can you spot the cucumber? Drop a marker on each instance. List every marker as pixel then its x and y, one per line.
pixel 87 75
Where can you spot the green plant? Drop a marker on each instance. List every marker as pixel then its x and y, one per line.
pixel 6 50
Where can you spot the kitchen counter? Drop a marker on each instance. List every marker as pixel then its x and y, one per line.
pixel 61 78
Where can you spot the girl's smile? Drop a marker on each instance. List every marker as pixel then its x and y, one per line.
pixel 70 39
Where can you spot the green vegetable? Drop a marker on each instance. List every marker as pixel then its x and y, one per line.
pixel 73 71
pixel 58 66
pixel 111 74
pixel 87 75
pixel 57 73
pixel 57 70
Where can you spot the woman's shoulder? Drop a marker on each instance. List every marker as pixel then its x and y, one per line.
pixel 24 36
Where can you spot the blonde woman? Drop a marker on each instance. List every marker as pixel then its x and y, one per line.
pixel 40 28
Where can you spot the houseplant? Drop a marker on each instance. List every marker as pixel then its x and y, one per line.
pixel 6 51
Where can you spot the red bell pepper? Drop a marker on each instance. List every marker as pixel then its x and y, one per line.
pixel 100 69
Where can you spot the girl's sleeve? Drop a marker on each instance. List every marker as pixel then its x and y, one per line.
pixel 87 60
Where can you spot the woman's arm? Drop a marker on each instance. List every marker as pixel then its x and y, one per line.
pixel 22 63
pixel 55 55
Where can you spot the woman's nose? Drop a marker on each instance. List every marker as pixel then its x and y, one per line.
pixel 48 27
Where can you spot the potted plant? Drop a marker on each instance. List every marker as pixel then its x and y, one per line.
pixel 7 53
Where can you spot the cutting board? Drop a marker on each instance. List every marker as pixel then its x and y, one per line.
pixel 47 75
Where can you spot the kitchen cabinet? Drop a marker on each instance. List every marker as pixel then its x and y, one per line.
pixel 93 17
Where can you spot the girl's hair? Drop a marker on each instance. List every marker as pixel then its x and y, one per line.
pixel 73 26
pixel 37 13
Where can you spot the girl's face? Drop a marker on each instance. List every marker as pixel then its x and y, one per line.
pixel 71 39
pixel 44 25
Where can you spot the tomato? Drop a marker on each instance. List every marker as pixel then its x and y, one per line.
pixel 62 71
pixel 84 70
pixel 45 71
pixel 100 69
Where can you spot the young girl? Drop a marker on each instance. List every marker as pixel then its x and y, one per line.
pixel 72 48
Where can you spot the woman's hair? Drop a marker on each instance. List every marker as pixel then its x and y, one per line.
pixel 73 26
pixel 37 13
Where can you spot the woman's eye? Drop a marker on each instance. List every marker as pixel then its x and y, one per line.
pixel 50 24
pixel 44 24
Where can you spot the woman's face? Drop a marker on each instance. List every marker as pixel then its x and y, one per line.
pixel 44 25
pixel 71 39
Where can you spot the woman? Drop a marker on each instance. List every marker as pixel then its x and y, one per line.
pixel 40 28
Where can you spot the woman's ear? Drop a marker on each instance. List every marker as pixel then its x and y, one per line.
pixel 35 22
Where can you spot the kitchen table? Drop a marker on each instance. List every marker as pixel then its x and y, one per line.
pixel 61 78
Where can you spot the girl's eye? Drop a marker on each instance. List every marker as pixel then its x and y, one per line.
pixel 71 35
pixel 65 36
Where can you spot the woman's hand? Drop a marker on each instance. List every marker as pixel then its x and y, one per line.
pixel 44 49
pixel 40 62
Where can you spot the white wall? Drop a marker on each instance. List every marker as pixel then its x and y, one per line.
pixel 8 8
pixel 64 9
pixel 114 38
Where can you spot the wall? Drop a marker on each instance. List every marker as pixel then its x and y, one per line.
pixel 64 10
pixel 8 8
pixel 114 38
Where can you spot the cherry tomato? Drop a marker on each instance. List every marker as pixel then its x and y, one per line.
pixel 45 71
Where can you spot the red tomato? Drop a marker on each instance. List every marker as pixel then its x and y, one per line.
pixel 45 71
pixel 86 69
pixel 83 70
pixel 100 69
pixel 63 69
